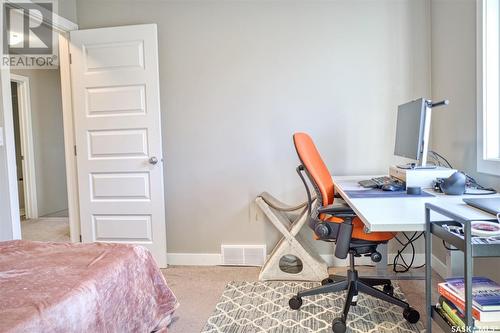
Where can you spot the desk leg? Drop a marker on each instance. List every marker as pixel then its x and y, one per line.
pixel 428 269
pixel 382 265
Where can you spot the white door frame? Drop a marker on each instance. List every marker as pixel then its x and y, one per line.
pixel 62 26
pixel 27 150
pixel 69 139
pixel 12 212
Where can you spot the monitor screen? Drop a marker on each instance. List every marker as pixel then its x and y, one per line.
pixel 410 129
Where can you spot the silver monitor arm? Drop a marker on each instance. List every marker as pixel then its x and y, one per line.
pixel 429 105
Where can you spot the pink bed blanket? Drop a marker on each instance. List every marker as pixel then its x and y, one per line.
pixel 64 287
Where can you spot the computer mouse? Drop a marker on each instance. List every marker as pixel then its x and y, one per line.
pixel 455 184
pixel 392 187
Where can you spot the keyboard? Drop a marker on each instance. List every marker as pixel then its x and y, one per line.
pixel 377 182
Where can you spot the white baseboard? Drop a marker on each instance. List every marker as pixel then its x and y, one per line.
pixel 194 259
pixel 214 259
pixel 57 218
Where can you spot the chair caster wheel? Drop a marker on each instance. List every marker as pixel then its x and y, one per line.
pixel 411 315
pixel 326 281
pixel 388 289
pixel 295 303
pixel 338 325
pixel 376 257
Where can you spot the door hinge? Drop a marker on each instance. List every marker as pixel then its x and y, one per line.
pixel 80 238
pixel 74 147
pixel 70 59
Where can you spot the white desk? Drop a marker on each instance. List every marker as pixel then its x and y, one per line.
pixel 401 214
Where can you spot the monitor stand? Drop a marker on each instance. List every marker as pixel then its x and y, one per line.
pixel 414 166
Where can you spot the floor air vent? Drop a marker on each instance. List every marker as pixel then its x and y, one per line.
pixel 243 255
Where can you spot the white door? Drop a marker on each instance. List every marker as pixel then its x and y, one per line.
pixel 116 103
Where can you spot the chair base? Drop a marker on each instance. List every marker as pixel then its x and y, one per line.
pixel 354 284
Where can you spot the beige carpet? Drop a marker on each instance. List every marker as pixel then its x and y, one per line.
pixel 55 229
pixel 200 288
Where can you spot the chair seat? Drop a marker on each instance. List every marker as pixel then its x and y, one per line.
pixel 358 231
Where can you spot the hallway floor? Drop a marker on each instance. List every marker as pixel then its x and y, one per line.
pixel 46 229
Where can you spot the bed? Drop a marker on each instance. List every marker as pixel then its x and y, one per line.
pixel 65 287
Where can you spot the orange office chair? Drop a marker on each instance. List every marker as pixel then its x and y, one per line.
pixel 338 223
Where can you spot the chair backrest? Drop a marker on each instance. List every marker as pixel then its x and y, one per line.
pixel 316 169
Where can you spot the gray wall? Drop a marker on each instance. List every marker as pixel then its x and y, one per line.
pixel 48 139
pixel 67 9
pixel 237 78
pixel 17 130
pixel 17 139
pixel 454 77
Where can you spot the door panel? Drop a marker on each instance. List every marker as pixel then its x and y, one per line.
pixel 122 228
pixel 115 88
pixel 123 143
pixel 131 186
pixel 125 100
pixel 110 56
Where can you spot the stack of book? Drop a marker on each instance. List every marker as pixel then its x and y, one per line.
pixel 485 307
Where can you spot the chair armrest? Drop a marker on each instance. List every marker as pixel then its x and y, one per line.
pixel 337 210
pixel 344 230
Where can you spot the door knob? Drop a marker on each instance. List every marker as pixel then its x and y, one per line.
pixel 153 160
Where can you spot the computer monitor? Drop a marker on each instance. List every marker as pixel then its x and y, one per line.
pixel 412 131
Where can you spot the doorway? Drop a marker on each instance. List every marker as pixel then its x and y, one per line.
pixel 111 131
pixel 10 224
pixel 39 151
pixel 19 155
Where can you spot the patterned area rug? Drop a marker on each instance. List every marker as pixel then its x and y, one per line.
pixel 251 307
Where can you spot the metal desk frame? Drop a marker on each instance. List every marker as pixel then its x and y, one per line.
pixel 464 244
